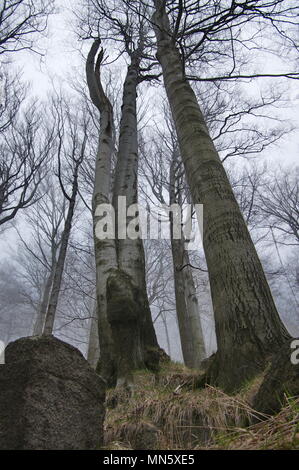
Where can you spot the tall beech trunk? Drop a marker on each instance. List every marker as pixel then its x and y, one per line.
pixel 133 329
pixel 58 272
pixel 187 307
pixel 126 333
pixel 105 251
pixel 248 327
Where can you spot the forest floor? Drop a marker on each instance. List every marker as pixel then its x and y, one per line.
pixel 167 412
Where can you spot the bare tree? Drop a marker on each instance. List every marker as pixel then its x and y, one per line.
pixel 188 310
pixel 45 220
pixel 160 286
pixel 279 203
pixel 132 330
pixel 13 92
pixel 21 21
pixel 16 307
pixel 232 35
pixel 25 146
pixel 163 172
pixel 72 138
pixel 105 252
pixel 248 327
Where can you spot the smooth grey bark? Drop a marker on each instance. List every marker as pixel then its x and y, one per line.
pixel 126 331
pixel 132 328
pixel 105 250
pixel 248 327
pixel 187 308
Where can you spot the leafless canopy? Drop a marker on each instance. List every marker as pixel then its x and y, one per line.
pixel 20 20
pixel 220 39
pixel 25 146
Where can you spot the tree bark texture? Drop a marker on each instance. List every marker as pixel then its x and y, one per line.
pixel 130 252
pixel 105 251
pixel 248 327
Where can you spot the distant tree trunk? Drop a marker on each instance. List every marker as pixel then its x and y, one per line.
pixel 41 315
pixel 58 272
pixel 164 321
pixel 187 308
pixel 193 310
pixel 248 327
pixel 132 327
pixel 93 352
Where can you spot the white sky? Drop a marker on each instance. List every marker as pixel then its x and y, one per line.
pixel 63 60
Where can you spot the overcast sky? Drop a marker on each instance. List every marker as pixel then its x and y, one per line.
pixel 63 60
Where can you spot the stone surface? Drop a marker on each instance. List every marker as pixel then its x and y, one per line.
pixel 282 378
pixel 50 398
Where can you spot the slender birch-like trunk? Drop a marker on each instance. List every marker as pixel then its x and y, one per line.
pixel 187 307
pixel 191 335
pixel 58 272
pixel 193 311
pixel 248 327
pixel 164 321
pixel 40 320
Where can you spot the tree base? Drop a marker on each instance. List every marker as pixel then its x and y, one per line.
pixel 231 374
pixel 281 381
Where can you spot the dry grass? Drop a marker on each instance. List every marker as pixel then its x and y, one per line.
pixel 275 432
pixel 166 413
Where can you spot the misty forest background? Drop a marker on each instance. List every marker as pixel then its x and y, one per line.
pixel 48 146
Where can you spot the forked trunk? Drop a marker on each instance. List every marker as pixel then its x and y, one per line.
pixel 126 331
pixel 105 252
